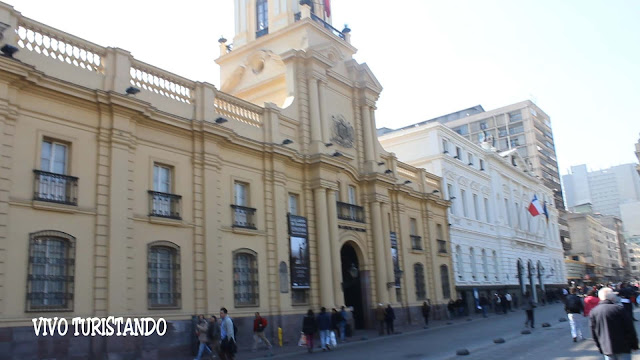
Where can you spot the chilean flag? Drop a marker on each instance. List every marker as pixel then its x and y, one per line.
pixel 327 7
pixel 534 208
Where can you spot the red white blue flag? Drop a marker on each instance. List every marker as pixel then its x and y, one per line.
pixel 535 208
pixel 327 7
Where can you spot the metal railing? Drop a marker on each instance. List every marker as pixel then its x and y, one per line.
pixel 165 205
pixel 416 242
pixel 297 16
pixel 57 188
pixel 262 32
pixel 243 217
pixel 350 212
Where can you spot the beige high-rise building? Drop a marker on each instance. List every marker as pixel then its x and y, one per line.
pixel 126 190
pixel 598 245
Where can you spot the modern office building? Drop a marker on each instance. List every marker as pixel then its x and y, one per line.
pixel 522 126
pixel 126 190
pixel 497 244
pixel 613 191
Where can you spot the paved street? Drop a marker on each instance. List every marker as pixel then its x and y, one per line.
pixel 441 342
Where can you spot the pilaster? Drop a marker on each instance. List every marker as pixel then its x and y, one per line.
pixel 380 254
pixel 386 230
pixel 324 249
pixel 335 247
pixel 8 118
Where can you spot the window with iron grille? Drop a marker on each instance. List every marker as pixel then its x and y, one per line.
pixel 163 271
pixel 245 278
pixel 262 18
pixel 50 280
pixel 444 279
pixel 418 273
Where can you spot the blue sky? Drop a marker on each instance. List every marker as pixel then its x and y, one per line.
pixel 578 60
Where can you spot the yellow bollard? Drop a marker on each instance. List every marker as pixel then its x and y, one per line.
pixel 280 336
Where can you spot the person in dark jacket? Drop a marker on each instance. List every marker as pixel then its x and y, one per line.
pixel 574 307
pixel 626 293
pixel 528 307
pixel 389 317
pixel 426 311
pixel 612 328
pixel 213 334
pixel 309 328
pixel 324 327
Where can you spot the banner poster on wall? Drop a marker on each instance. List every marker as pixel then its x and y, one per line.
pixel 299 250
pixel 394 258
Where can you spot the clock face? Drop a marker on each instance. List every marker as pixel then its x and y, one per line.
pixel 342 131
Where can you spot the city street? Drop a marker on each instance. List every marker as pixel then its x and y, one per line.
pixel 476 336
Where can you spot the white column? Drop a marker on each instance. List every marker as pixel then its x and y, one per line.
pixel 368 141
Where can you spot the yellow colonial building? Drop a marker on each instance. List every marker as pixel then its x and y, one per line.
pixel 126 190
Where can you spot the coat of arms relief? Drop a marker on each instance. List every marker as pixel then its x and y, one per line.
pixel 342 132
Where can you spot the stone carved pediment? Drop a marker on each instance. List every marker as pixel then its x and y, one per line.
pixel 463 181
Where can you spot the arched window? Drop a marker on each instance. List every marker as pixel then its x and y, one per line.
pixel 163 272
pixel 472 258
pixel 245 278
pixel 51 271
pixel 459 262
pixel 262 18
pixel 444 279
pixel 418 273
pixel 485 265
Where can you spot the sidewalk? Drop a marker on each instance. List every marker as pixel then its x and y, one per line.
pixel 364 336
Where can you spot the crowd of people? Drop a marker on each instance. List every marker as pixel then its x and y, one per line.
pixel 607 308
pixel 609 312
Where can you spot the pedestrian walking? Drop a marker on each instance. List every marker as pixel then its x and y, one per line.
pixel 626 293
pixel 389 318
pixel 590 302
pixel 259 324
pixel 484 303
pixel 309 328
pixel 451 307
pixel 612 328
pixel 509 299
pixel 228 347
pixel 324 327
pixel 503 302
pixel 380 319
pixel 342 324
pixel 574 308
pixel 201 331
pixel 335 322
pixel 528 307
pixel 497 303
pixel 213 335
pixel 426 311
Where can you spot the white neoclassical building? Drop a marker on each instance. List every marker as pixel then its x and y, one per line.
pixel 496 244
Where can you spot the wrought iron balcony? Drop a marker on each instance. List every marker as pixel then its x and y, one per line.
pixel 55 188
pixel 416 242
pixel 262 32
pixel 350 212
pixel 442 247
pixel 314 17
pixel 165 205
pixel 243 217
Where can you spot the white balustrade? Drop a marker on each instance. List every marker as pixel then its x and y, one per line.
pixel 237 109
pixel 150 78
pixel 56 44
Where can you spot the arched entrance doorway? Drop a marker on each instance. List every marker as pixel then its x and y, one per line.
pixel 352 284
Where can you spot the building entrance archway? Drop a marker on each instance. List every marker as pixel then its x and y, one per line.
pixel 352 278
